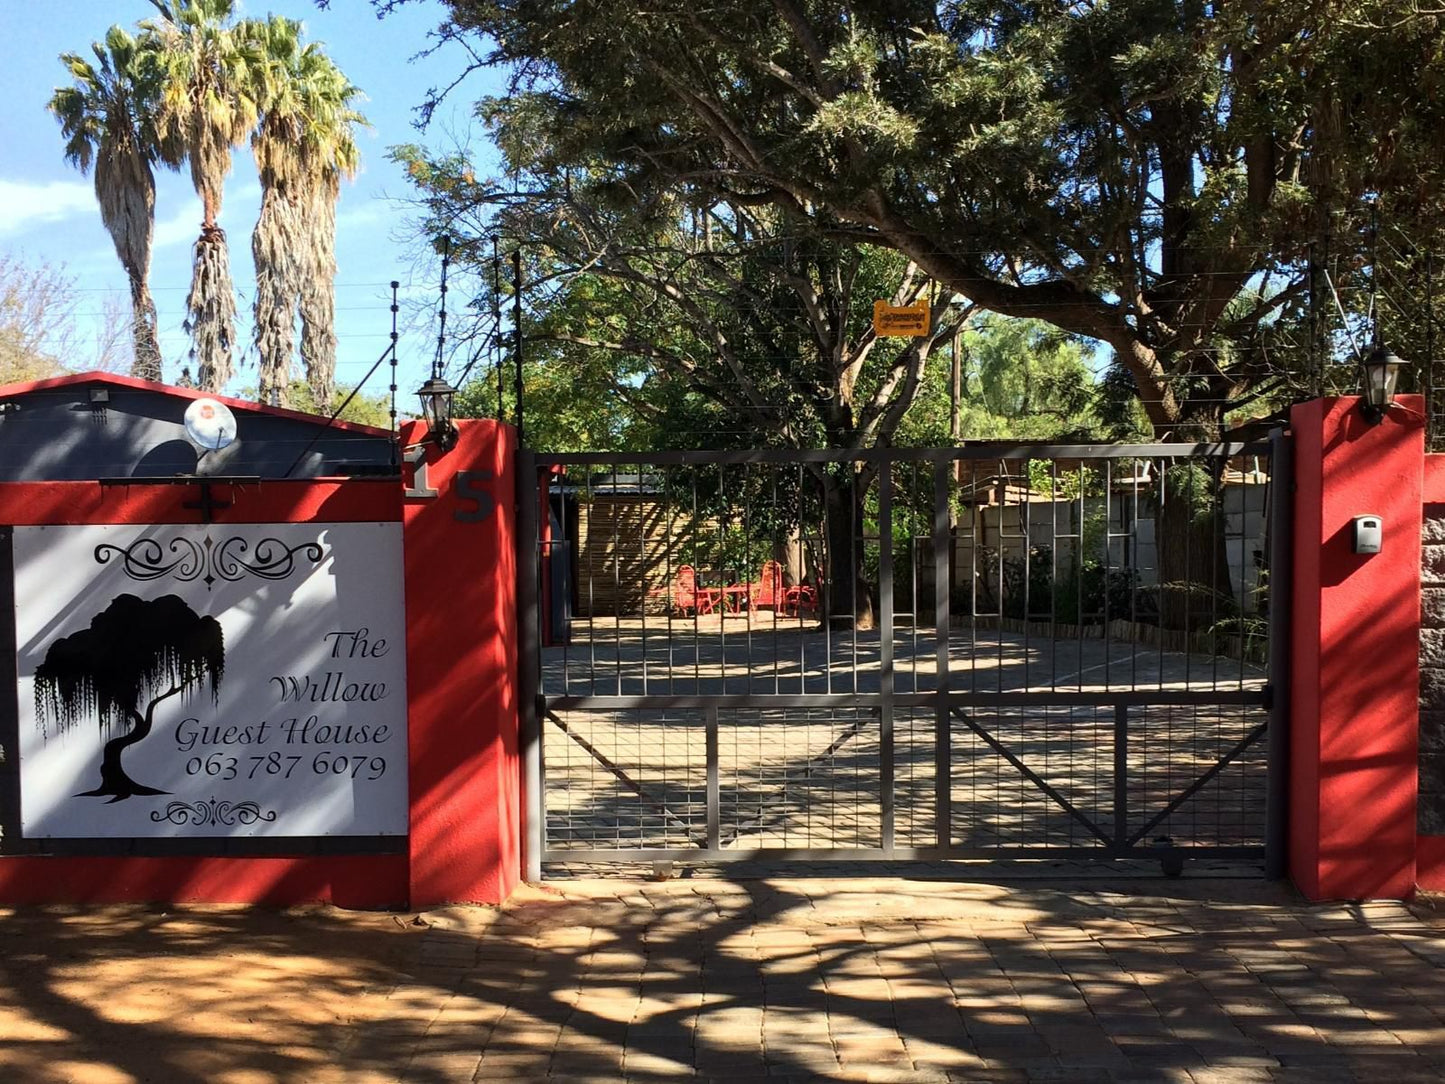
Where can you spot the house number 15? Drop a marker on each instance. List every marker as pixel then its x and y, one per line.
pixel 470 486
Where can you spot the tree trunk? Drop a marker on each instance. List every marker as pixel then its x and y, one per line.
pixel 318 292
pixel 114 782
pixel 146 363
pixel 1194 580
pixel 211 310
pixel 790 554
pixel 955 436
pixel 276 254
pixel 847 592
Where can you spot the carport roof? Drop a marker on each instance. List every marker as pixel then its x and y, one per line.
pixel 12 392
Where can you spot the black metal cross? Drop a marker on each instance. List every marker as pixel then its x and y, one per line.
pixel 207 504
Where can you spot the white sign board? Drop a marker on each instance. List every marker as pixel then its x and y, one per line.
pixel 211 680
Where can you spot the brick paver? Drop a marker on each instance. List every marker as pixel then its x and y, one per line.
pixel 849 979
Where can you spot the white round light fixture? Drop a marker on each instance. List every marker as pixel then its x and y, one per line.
pixel 210 424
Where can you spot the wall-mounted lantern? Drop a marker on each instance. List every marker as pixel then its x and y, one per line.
pixel 1382 369
pixel 436 407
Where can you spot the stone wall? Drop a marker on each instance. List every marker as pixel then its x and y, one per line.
pixel 1432 674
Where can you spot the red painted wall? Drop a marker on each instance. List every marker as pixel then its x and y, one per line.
pixel 1354 727
pixel 1430 863
pixel 350 881
pixel 461 613
pixel 1433 490
pixel 33 503
pixel 359 881
pixel 460 584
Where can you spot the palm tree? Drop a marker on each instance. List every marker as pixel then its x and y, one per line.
pixel 207 106
pixel 318 296
pixel 108 122
pixel 275 246
pixel 304 142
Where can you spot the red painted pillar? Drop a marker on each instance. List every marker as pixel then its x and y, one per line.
pixel 461 653
pixel 1355 662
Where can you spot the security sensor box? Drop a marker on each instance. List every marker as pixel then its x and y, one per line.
pixel 1369 533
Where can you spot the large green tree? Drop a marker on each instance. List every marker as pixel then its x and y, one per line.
pixel 727 325
pixel 1125 171
pixel 1016 380
pixel 108 120
pixel 739 305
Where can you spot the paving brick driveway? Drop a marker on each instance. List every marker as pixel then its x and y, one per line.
pixel 860 979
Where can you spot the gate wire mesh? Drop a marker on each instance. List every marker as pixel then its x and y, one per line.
pixel 969 652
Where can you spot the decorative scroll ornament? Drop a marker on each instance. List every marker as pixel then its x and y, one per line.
pixel 213 812
pixel 232 560
pixel 147 559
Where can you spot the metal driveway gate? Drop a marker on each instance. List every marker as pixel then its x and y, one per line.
pixel 987 651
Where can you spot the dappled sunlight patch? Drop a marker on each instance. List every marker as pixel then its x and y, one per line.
pixel 603 978
pixel 205 993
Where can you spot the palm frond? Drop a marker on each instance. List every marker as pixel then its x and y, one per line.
pixel 107 120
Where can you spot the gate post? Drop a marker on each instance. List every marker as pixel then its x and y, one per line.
pixel 529 599
pixel 461 653
pixel 1280 527
pixel 1355 669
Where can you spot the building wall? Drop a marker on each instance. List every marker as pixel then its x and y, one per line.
pixel 1131 536
pixel 622 556
pixel 627 549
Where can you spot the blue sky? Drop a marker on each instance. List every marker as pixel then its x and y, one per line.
pixel 48 211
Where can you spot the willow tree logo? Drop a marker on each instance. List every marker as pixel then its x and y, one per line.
pixel 136 651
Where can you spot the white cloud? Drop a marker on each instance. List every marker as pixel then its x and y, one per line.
pixel 26 204
pixel 238 212
pixel 181 228
pixel 365 215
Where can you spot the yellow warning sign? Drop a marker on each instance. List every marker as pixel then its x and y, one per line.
pixel 906 320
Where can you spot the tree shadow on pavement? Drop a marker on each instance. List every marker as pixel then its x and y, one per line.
pixel 861 980
pixel 191 994
pixel 868 978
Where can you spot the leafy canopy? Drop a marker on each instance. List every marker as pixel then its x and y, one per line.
pixel 1126 171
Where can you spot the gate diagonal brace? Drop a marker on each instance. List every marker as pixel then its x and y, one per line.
pixel 1033 777
pixel 656 804
pixel 1199 784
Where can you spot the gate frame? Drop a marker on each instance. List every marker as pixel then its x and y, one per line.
pixel 534 474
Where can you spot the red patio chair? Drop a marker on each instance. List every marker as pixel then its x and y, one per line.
pixel 768 592
pixel 800 597
pixel 687 596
